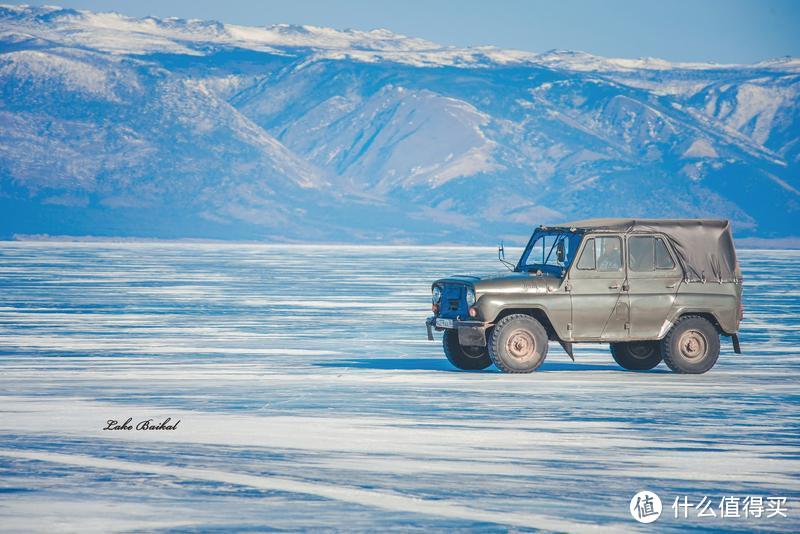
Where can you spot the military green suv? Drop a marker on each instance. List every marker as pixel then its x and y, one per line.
pixel 653 289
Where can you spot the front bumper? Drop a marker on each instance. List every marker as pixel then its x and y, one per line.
pixel 469 332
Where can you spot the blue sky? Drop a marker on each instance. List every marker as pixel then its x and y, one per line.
pixel 724 31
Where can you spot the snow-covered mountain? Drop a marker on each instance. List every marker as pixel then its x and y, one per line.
pixel 111 125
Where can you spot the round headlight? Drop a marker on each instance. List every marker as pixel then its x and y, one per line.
pixel 436 295
pixel 470 296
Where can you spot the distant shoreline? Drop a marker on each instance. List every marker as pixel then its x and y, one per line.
pixel 778 243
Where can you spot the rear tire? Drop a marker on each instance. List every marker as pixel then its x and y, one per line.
pixel 691 346
pixel 637 355
pixel 518 344
pixel 463 357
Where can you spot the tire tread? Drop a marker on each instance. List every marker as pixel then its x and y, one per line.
pixel 621 355
pixel 668 344
pixel 454 358
pixel 493 344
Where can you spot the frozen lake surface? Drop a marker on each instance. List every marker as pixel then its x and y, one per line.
pixel 309 397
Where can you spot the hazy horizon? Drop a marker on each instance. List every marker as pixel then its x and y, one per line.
pixel 741 31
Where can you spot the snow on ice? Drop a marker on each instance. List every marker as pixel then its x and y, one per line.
pixel 308 397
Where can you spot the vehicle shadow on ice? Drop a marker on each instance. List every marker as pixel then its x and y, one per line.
pixel 441 364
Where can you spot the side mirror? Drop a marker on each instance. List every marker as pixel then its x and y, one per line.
pixel 560 254
pixel 501 255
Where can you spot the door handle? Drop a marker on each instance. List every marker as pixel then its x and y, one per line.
pixel 673 284
pixel 615 285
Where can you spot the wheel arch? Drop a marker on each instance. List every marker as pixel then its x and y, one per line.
pixel 675 352
pixel 540 314
pixel 705 314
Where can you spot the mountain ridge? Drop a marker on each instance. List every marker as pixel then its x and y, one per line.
pixel 185 128
pixel 81 23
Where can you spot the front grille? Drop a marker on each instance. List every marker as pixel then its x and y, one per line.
pixel 454 301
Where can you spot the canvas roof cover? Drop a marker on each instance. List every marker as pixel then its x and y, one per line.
pixel 704 246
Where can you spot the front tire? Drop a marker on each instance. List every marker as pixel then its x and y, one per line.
pixel 518 344
pixel 691 346
pixel 464 357
pixel 637 355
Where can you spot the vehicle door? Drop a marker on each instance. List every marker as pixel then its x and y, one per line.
pixel 653 280
pixel 599 308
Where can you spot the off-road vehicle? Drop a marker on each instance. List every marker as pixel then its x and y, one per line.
pixel 654 289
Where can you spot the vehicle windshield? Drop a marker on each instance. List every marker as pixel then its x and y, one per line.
pixel 550 251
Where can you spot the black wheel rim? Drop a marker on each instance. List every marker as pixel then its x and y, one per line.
pixel 472 352
pixel 641 351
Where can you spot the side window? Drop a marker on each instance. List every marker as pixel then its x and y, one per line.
pixel 641 253
pixel 609 254
pixel 663 259
pixel 647 253
pixel 601 253
pixel 586 263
